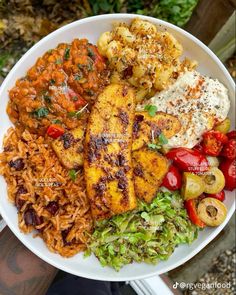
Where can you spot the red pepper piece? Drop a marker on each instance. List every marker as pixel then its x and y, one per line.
pixel 231 134
pixel 220 196
pixel 229 149
pixel 188 160
pixel 190 206
pixel 228 167
pixel 173 179
pixel 213 142
pixel 55 131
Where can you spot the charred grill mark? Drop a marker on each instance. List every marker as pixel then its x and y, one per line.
pixel 100 187
pixel 68 140
pixel 121 160
pixel 136 126
pixel 123 116
pixel 95 145
pixel 138 171
pixel 125 90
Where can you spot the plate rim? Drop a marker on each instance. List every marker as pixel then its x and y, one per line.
pixel 181 261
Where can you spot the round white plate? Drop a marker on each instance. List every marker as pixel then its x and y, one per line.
pixel 91 28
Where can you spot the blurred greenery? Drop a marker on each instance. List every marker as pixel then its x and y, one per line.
pixel 24 22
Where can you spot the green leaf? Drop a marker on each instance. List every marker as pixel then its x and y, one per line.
pixel 162 139
pixel 40 113
pixel 57 121
pixel 151 109
pixel 73 174
pixel 154 146
pixel 145 216
pixel 58 61
pixel 67 53
pixel 90 52
pixel 52 81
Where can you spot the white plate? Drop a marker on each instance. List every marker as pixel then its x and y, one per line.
pixel 91 28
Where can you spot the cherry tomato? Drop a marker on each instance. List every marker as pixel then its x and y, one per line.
pixel 76 98
pixel 188 160
pixel 228 167
pixel 172 180
pixel 55 131
pixel 213 142
pixel 220 196
pixel 229 149
pixel 190 206
pixel 198 148
pixel 231 134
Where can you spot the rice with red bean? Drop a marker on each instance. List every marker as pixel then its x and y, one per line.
pixel 47 199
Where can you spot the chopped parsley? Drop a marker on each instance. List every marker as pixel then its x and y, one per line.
pixel 90 92
pixel 78 77
pixel 56 121
pixel 47 98
pixel 162 139
pixel 90 52
pixel 75 98
pixel 151 109
pixel 58 61
pixel 159 143
pixel 73 174
pixel 52 81
pixel 90 66
pixel 67 53
pixel 40 113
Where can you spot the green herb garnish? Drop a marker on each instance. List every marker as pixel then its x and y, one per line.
pixel 159 143
pixel 67 53
pixel 58 61
pixel 90 52
pixel 47 98
pixel 57 121
pixel 40 113
pixel 78 77
pixel 151 109
pixel 73 174
pixel 90 66
pixel 162 139
pixel 52 81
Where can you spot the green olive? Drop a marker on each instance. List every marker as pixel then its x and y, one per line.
pixel 223 126
pixel 214 181
pixel 192 186
pixel 213 161
pixel 211 211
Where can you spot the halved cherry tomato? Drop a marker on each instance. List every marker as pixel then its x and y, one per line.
pixel 76 98
pixel 188 160
pixel 231 134
pixel 172 180
pixel 228 167
pixel 213 142
pixel 229 149
pixel 55 131
pixel 220 196
pixel 190 206
pixel 198 147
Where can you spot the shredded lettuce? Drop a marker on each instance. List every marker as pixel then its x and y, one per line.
pixel 148 234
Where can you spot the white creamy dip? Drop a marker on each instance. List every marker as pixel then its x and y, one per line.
pixel 197 101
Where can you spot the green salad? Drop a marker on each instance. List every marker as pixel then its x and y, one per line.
pixel 148 234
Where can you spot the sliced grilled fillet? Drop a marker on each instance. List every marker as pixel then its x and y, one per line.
pixel 69 148
pixel 150 167
pixel 145 127
pixel 107 159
